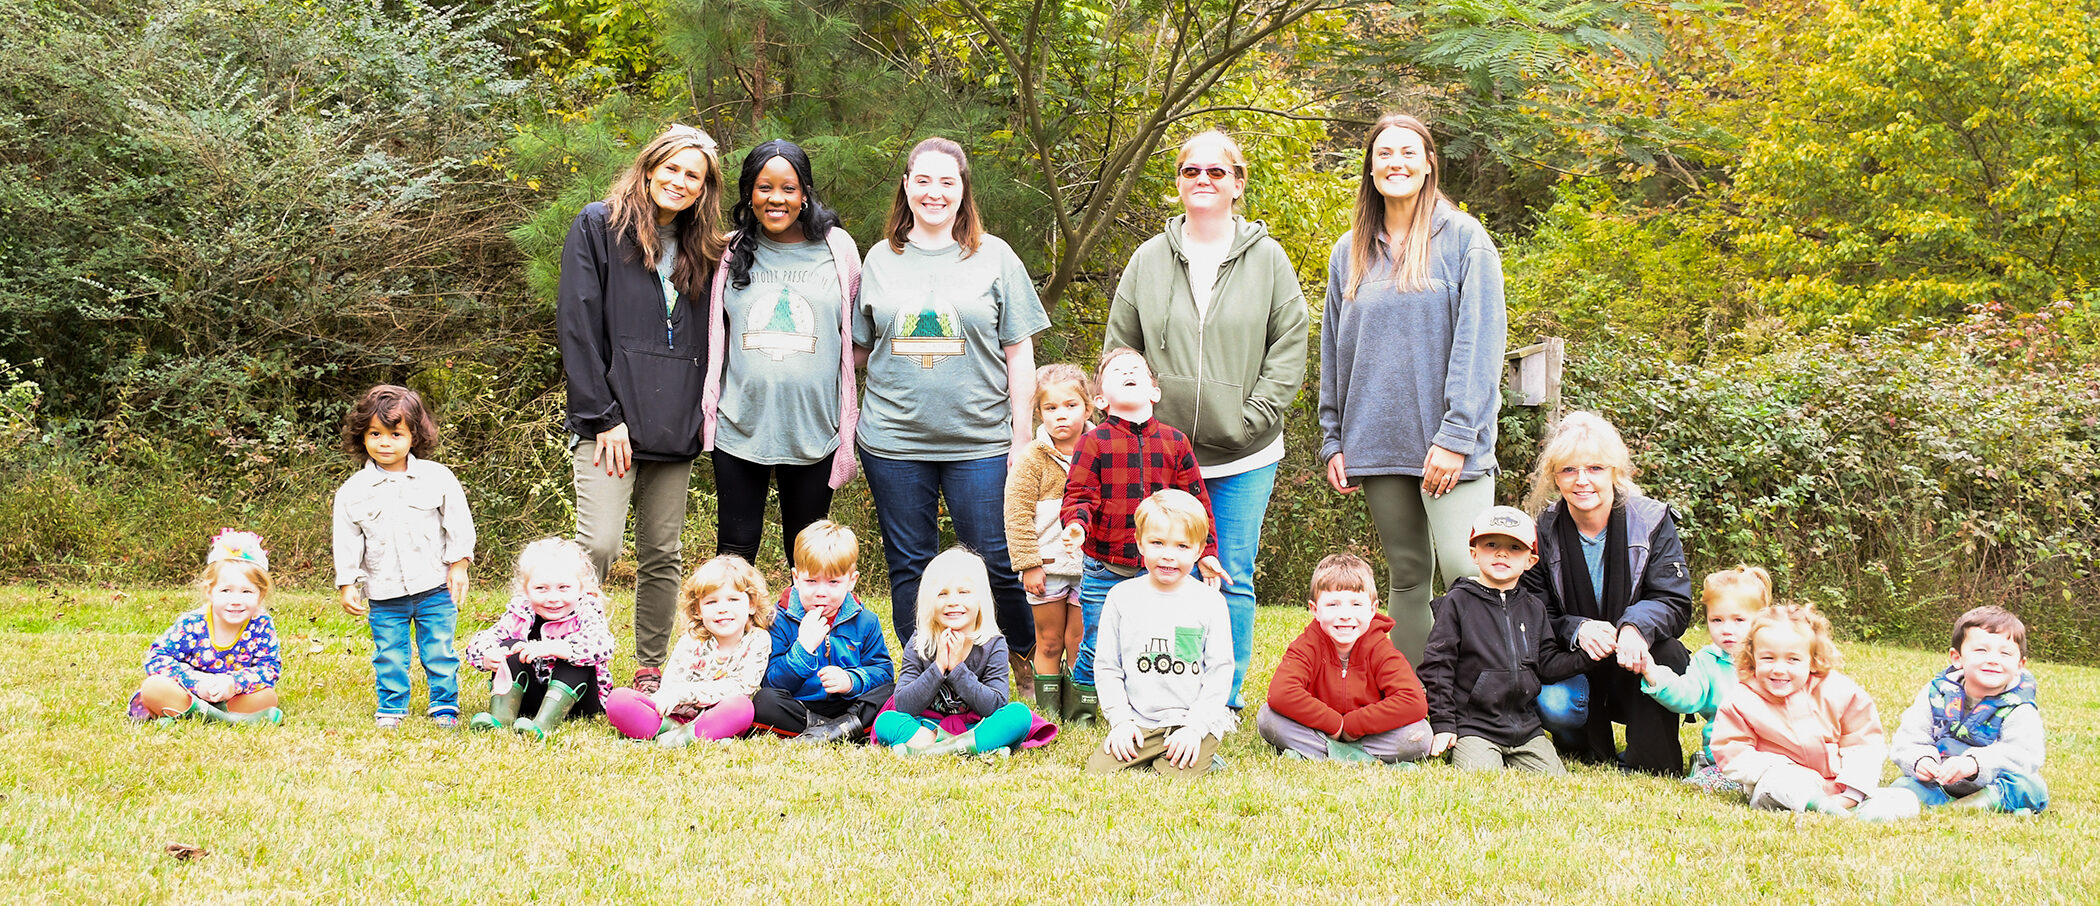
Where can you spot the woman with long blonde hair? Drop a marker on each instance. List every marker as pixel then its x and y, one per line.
pixel 1411 350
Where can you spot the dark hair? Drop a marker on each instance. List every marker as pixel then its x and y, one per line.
pixel 816 219
pixel 1992 619
pixel 968 228
pixel 393 406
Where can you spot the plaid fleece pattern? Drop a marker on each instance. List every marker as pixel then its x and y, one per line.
pixel 1114 468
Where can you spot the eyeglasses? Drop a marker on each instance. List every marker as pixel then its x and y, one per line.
pixel 1212 172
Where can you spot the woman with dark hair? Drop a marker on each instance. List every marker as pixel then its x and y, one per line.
pixel 1612 570
pixel 947 317
pixel 634 273
pixel 779 400
pixel 1411 349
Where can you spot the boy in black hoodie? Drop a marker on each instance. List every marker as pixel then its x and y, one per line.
pixel 1490 649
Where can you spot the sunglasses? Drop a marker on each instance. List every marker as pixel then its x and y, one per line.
pixel 1212 172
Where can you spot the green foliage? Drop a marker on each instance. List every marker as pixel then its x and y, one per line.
pixel 225 217
pixel 1926 156
pixel 1895 483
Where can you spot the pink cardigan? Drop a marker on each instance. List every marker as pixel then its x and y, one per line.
pixel 847 258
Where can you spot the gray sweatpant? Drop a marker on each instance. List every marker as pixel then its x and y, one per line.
pixel 1408 743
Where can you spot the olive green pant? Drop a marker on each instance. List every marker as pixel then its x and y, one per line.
pixel 1422 536
pixel 1152 750
pixel 658 491
pixel 1477 753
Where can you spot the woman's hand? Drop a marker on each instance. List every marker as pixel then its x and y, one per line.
pixel 614 451
pixel 1633 650
pixel 1440 470
pixel 1595 639
pixel 1338 475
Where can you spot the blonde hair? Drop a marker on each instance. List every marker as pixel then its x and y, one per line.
pixel 1822 652
pixel 1583 438
pixel 1226 146
pixel 1343 572
pixel 826 549
pixel 968 226
pixel 631 212
pixel 1744 588
pixel 727 571
pixel 1173 510
pixel 256 574
pixel 955 568
pixel 1113 353
pixel 1057 373
pixel 1367 231
pixel 555 552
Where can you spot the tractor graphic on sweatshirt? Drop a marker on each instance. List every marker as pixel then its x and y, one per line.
pixel 1183 655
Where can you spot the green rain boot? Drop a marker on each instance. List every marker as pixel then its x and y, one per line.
pixel 1082 705
pixel 214 714
pixel 553 708
pixel 1050 694
pixel 503 707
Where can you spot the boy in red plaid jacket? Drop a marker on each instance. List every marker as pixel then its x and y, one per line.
pixel 1115 467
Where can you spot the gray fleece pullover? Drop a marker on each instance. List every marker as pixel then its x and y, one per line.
pixel 1400 371
pixel 1165 657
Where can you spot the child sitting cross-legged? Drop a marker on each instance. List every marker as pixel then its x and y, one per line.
pixel 550 648
pixel 1342 690
pixel 830 669
pixel 1799 735
pixel 1731 597
pixel 1490 650
pixel 1166 664
pixel 1974 734
pixel 220 661
pixel 953 684
pixel 715 668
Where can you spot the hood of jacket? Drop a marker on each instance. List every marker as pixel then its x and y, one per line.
pixel 1245 233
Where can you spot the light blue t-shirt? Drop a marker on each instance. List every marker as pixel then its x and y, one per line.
pixel 780 374
pixel 936 326
pixel 1593 556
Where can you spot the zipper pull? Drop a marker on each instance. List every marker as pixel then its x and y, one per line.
pixel 667 333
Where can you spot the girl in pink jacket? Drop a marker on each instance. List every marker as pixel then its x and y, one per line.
pixel 1796 733
pixel 550 649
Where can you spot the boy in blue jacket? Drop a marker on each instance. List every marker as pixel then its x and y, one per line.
pixel 830 671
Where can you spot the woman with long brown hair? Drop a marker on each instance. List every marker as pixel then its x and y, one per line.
pixel 1411 350
pixel 631 311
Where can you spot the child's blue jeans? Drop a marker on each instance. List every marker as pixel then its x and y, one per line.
pixel 426 619
pixel 1095 579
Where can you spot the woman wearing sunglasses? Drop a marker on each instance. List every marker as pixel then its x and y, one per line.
pixel 1214 305
pixel 1411 369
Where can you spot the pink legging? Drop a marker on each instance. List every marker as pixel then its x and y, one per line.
pixel 636 716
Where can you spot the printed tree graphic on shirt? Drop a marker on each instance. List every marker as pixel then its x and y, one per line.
pixel 927 334
pixel 788 326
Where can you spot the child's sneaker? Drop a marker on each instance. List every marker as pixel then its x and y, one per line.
pixel 647 680
pixel 387 722
pixel 445 721
pixel 1890 805
pixel 1291 755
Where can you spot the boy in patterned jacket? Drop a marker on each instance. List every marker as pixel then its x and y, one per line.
pixel 1974 734
pixel 1117 465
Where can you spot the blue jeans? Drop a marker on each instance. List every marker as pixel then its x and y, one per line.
pixel 907 496
pixel 2010 791
pixel 1564 707
pixel 429 618
pixel 1095 579
pixel 1237 504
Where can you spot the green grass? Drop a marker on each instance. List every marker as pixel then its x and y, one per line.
pixel 326 809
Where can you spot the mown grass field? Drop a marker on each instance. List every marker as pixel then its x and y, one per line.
pixel 328 810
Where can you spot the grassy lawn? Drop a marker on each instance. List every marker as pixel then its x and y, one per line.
pixel 327 809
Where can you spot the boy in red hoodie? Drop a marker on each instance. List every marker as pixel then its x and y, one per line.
pixel 1342 690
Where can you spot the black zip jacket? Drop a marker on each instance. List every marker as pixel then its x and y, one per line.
pixel 626 361
pixel 1489 652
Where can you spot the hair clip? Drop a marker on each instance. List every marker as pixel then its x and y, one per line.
pixel 232 544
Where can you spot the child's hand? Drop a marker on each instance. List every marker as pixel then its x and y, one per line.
pixel 836 680
pixel 1595 639
pixel 1213 571
pixel 1658 675
pixel 950 649
pixel 1442 743
pixel 493 661
pixel 811 635
pixel 1184 746
pixel 456 579
pixel 1122 742
pixel 1032 579
pixel 353 600
pixel 214 687
pixel 1074 537
pixel 1958 769
pixel 1927 769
